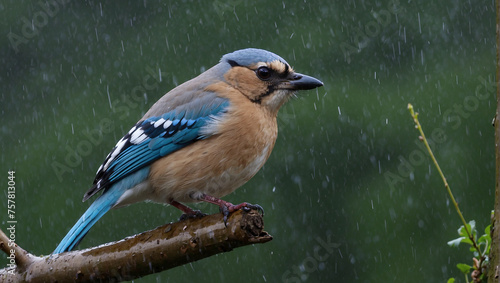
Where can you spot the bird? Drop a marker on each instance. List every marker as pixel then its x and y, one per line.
pixel 199 142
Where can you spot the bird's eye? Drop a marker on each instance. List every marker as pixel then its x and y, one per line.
pixel 264 73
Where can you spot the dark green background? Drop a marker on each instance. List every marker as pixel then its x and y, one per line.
pixel 326 180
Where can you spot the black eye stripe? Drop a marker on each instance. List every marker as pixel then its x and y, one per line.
pixel 233 63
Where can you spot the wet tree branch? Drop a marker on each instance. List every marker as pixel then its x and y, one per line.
pixel 153 251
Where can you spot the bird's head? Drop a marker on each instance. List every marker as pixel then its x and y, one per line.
pixel 264 77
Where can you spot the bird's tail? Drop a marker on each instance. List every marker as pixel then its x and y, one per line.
pixel 98 208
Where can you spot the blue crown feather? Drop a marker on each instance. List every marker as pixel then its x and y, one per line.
pixel 250 56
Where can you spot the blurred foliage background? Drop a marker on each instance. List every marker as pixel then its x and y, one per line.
pixel 349 194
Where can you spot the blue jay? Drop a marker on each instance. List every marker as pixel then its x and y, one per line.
pixel 199 142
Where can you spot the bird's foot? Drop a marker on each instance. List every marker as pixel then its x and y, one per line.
pixel 188 212
pixel 226 207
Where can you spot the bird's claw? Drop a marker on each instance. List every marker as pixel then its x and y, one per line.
pixel 247 207
pixel 257 207
pixel 225 212
pixel 195 214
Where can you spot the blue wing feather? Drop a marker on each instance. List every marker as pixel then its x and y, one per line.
pixel 154 138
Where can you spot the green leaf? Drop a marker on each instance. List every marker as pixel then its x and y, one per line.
pixel 471 226
pixel 465 268
pixel 485 238
pixel 456 242
pixel 451 280
pixel 466 241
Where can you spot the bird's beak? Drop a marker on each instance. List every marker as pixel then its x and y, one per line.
pixel 302 82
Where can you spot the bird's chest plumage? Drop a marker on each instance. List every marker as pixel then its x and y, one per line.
pixel 218 165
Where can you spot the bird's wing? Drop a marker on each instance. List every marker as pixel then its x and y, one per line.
pixel 156 137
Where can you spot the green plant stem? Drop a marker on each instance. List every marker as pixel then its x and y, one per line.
pixel 419 127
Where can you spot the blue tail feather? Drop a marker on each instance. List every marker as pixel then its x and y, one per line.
pixel 101 205
pixel 98 208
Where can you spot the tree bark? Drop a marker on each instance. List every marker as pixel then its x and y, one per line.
pixel 153 251
pixel 494 268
